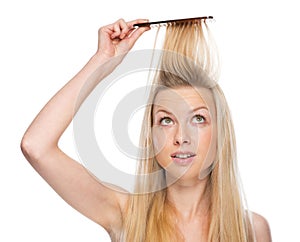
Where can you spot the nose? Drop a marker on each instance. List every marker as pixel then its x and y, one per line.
pixel 181 136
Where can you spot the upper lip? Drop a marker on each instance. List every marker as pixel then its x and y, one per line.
pixel 182 153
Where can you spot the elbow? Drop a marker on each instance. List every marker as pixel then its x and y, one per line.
pixel 28 149
pixel 32 149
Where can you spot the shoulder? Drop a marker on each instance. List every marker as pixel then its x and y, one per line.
pixel 261 228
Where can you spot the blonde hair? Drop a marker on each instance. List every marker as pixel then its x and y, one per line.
pixel 189 59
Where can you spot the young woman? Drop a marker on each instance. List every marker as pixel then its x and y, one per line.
pixel 188 130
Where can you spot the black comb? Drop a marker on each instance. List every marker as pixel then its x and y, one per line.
pixel 183 20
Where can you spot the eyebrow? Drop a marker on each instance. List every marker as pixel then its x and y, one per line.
pixel 193 110
pixel 198 108
pixel 163 110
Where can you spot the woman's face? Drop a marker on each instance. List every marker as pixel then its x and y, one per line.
pixel 184 131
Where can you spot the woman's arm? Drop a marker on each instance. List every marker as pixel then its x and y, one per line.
pixel 40 142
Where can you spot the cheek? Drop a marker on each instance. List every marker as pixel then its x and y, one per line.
pixel 204 141
pixel 207 147
pixel 159 139
pixel 161 151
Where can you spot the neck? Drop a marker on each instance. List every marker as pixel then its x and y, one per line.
pixel 190 199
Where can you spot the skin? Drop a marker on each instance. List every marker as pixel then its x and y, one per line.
pixel 183 121
pixel 71 180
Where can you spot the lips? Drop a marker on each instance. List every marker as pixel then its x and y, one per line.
pixel 183 157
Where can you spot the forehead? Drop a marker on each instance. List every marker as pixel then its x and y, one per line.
pixel 184 98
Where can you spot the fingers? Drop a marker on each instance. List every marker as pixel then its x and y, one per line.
pixel 137 33
pixel 119 37
pixel 121 29
pixel 138 21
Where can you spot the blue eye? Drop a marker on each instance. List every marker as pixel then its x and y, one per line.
pixel 166 121
pixel 199 119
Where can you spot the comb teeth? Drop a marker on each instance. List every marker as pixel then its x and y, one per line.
pixel 172 21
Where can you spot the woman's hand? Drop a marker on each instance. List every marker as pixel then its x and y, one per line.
pixel 118 38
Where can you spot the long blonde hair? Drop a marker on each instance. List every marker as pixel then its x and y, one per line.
pixel 190 59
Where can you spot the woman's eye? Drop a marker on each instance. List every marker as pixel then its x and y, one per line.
pixel 166 121
pixel 198 119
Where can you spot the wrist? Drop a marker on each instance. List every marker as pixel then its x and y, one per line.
pixel 99 58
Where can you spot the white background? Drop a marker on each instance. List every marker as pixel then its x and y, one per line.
pixel 44 43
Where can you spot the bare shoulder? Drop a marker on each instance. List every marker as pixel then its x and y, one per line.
pixel 261 228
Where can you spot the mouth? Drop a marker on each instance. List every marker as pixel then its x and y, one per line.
pixel 183 158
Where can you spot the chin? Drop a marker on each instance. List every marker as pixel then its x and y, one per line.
pixel 183 174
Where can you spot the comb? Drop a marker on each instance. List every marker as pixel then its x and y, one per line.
pixel 172 21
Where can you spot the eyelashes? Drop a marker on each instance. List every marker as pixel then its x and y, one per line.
pixel 199 118
pixel 167 121
pixel 164 121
